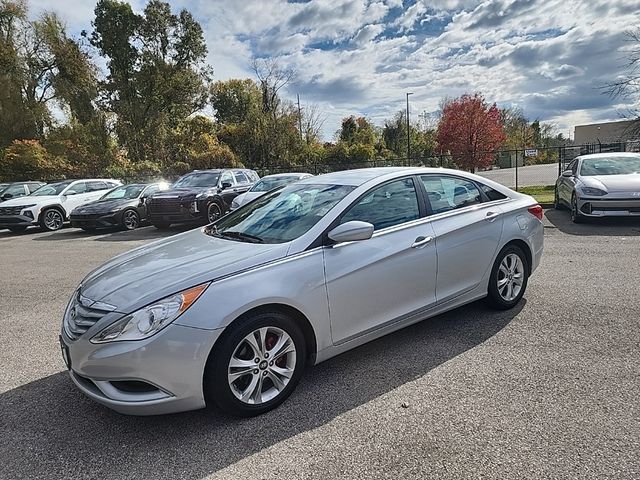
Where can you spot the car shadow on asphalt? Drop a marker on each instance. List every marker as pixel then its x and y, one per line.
pixel 51 430
pixel 620 227
pixel 106 235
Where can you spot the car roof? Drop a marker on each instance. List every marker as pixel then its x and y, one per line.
pixel 285 175
pixel 610 154
pixel 361 176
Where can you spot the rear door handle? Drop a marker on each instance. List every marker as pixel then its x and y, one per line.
pixel 491 216
pixel 421 242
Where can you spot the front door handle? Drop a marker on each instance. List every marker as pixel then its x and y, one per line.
pixel 491 216
pixel 421 242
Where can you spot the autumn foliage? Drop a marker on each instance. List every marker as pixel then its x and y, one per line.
pixel 470 130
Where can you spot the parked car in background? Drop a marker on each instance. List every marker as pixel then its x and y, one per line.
pixel 600 185
pixel 18 189
pixel 231 314
pixel 123 207
pixel 201 196
pixel 50 205
pixel 266 184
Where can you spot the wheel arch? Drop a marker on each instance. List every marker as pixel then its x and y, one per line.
pixel 57 206
pixel 524 246
pixel 302 320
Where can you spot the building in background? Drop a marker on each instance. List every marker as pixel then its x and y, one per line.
pixel 608 133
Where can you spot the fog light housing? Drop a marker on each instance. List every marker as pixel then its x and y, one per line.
pixel 28 213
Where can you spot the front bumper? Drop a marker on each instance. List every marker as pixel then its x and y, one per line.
pixel 608 206
pixel 108 220
pixel 7 221
pixel 161 374
pixel 189 211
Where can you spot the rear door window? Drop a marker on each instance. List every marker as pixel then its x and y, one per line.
pixel 450 193
pixel 240 178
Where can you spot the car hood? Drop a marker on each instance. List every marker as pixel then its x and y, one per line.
pixel 154 271
pixel 30 200
pixel 614 183
pixel 100 206
pixel 183 192
pixel 247 197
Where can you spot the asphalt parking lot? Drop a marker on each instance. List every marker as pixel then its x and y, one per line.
pixel 547 390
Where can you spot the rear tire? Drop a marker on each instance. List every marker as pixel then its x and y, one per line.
pixel 89 229
pixel 509 278
pixel 264 384
pixel 17 229
pixel 162 225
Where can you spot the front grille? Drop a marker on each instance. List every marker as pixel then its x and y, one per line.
pixel 618 209
pixel 80 317
pixel 11 210
pixel 165 205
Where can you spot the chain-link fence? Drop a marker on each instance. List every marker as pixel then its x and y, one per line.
pixel 516 168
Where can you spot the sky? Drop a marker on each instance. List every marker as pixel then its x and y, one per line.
pixel 360 57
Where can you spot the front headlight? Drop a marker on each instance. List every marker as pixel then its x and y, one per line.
pixel 592 192
pixel 151 319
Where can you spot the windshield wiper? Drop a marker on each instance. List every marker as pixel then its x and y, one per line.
pixel 240 236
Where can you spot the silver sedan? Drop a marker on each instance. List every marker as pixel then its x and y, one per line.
pixel 231 314
pixel 600 185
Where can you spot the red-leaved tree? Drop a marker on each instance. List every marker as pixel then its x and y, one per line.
pixel 470 130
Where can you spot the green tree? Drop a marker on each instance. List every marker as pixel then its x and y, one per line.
pixel 157 76
pixel 233 99
pixel 39 64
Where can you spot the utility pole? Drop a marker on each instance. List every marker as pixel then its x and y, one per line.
pixel 408 130
pixel 300 117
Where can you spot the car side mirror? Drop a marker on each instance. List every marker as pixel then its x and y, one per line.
pixel 70 192
pixel 567 173
pixel 226 185
pixel 351 232
pixel 7 196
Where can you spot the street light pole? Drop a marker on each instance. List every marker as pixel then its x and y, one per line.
pixel 408 131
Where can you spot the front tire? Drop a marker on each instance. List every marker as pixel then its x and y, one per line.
pixel 576 216
pixel 556 201
pixel 51 219
pixel 130 219
pixel 162 225
pixel 256 366
pixel 17 229
pixel 509 278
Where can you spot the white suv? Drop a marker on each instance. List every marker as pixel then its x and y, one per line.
pixel 50 205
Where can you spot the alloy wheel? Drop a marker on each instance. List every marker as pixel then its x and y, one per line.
pixel 214 212
pixel 261 365
pixel 510 277
pixel 53 220
pixel 130 220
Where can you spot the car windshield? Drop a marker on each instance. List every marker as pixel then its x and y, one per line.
pixel 125 191
pixel 609 166
pixel 267 184
pixel 51 189
pixel 280 216
pixel 208 179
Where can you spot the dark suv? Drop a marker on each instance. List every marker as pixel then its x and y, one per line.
pixel 201 196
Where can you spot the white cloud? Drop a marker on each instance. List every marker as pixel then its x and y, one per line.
pixel 361 56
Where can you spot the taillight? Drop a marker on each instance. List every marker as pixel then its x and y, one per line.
pixel 536 211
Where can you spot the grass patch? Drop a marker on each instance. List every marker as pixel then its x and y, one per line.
pixel 542 193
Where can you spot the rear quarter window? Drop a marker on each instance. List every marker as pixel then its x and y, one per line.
pixel 491 193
